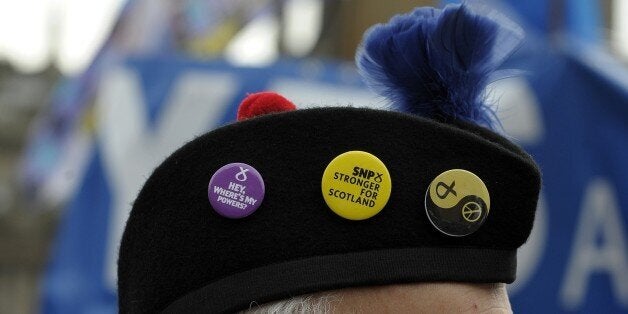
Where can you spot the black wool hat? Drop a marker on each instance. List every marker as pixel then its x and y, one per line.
pixel 299 201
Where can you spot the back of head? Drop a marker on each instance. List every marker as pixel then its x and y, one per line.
pixel 438 297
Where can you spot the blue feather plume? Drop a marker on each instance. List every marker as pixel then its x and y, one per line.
pixel 436 63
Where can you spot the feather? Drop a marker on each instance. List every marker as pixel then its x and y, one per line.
pixel 436 63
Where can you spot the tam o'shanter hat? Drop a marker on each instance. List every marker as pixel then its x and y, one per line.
pixel 287 202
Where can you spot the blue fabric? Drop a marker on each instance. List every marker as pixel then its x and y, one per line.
pixel 584 20
pixel 74 280
pixel 586 126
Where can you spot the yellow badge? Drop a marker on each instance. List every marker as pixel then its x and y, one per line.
pixel 356 185
pixel 457 202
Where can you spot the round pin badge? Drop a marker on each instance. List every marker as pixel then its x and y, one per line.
pixel 236 190
pixel 457 202
pixel 356 185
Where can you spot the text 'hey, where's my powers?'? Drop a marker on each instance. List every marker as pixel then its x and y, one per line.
pixel 234 195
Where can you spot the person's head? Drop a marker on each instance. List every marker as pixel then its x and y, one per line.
pixel 437 297
pixel 348 209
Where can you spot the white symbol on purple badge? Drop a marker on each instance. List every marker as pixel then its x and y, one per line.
pixel 236 190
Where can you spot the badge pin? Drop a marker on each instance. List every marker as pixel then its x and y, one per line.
pixel 356 185
pixel 457 202
pixel 236 190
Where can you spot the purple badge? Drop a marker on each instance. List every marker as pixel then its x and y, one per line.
pixel 236 190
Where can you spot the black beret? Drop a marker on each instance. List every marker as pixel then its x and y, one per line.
pixel 179 255
pixel 342 197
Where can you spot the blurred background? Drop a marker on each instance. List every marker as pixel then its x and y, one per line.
pixel 94 94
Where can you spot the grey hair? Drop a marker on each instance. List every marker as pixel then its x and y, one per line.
pixel 306 304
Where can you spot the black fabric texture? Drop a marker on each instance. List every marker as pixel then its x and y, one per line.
pixel 175 247
pixel 345 270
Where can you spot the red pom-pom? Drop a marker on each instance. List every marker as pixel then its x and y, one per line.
pixel 258 104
